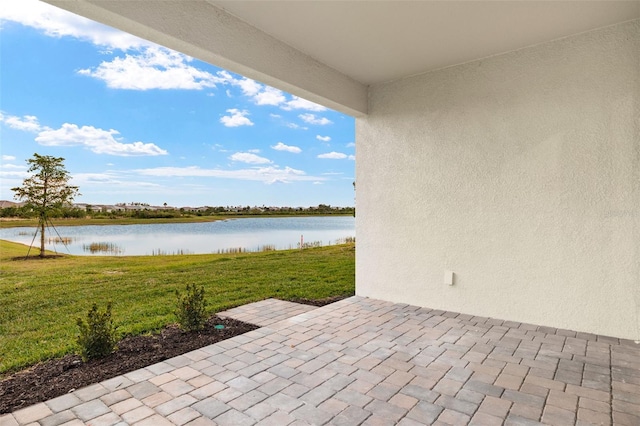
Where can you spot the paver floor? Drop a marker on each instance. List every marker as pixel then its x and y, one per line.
pixel 266 312
pixel 365 361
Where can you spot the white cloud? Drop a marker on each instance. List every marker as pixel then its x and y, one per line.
pixel 352 157
pixel 317 183
pixel 219 148
pixel 299 103
pixel 55 22
pixel 249 87
pixel 249 158
pixel 255 151
pixel 259 93
pixel 111 180
pixel 150 67
pixel 153 68
pixel 262 94
pixel 27 123
pixel 267 175
pixel 323 138
pixel 225 75
pixel 269 96
pixel 87 178
pixel 333 155
pixel 313 119
pixel 237 118
pixel 97 140
pixel 286 123
pixel 289 148
pixel 13 166
pixel 19 174
pixel 351 145
pixel 11 173
pixel 296 126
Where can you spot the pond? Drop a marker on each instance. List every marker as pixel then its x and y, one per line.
pixel 224 236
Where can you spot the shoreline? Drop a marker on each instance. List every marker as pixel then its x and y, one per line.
pixel 32 223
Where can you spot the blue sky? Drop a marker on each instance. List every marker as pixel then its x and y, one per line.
pixel 137 122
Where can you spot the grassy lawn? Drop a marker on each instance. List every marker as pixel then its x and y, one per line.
pixel 41 299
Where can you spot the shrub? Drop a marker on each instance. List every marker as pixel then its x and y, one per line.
pixel 191 310
pixel 97 336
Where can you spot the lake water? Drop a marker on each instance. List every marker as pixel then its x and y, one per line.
pixel 246 234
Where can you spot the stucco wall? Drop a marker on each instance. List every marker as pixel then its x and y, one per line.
pixel 521 174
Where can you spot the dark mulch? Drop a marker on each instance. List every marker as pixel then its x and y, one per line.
pixel 319 302
pixel 59 376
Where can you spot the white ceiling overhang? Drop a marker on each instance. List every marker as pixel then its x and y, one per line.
pixel 330 51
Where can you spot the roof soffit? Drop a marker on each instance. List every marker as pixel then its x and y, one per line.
pixel 330 51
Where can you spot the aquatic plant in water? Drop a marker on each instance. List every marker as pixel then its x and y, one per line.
pixel 102 247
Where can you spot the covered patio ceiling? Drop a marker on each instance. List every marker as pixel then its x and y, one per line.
pixel 330 51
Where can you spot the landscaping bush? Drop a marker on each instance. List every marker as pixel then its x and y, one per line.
pixel 191 310
pixel 97 336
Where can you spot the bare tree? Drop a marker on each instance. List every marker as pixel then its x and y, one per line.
pixel 47 189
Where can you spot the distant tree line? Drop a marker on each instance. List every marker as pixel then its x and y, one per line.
pixel 146 212
pixel 26 212
pixel 322 209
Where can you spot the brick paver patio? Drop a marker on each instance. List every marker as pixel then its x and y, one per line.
pixel 365 361
pixel 267 312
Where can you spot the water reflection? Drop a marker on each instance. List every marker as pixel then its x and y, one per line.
pixel 239 235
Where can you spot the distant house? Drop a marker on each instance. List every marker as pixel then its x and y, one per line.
pixel 196 209
pixel 85 206
pixel 136 208
pixel 109 208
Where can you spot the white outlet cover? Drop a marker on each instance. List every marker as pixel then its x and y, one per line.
pixel 448 277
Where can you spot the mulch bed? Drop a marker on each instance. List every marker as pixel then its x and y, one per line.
pixel 318 302
pixel 56 377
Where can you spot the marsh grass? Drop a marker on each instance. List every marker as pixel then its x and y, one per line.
pixel 41 298
pixel 310 244
pixel 60 240
pixel 108 248
pixel 232 250
pixel 346 240
pixel 237 250
pixel 179 252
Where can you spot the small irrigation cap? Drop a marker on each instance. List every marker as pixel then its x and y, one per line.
pixel 219 327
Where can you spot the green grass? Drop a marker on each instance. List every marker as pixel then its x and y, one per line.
pixel 41 299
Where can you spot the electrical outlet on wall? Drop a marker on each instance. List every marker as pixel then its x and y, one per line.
pixel 448 277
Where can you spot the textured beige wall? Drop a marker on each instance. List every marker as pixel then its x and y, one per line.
pixel 521 174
